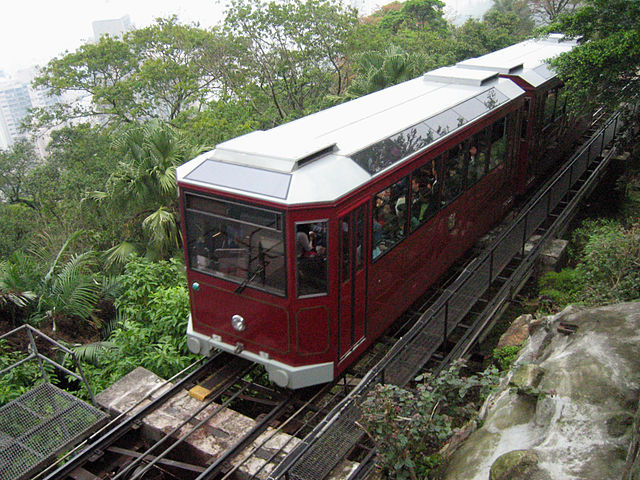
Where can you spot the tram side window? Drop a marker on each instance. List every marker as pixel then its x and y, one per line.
pixel 389 222
pixel 311 257
pixel 550 106
pixel 424 194
pixel 453 174
pixel 498 143
pixel 236 242
pixel 525 119
pixel 477 157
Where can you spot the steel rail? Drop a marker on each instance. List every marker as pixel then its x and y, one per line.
pixel 121 428
pixel 278 430
pixel 228 384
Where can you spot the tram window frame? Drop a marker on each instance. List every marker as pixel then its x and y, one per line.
pixel 513 146
pixel 217 256
pixel 480 142
pixel 457 154
pixel 386 202
pixel 424 177
pixel 549 107
pixel 493 140
pixel 524 121
pixel 314 261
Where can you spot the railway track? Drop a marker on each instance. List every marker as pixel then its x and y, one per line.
pixel 308 433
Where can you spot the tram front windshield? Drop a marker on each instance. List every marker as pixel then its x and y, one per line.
pixel 236 242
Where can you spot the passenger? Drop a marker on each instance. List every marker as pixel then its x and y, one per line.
pixel 476 164
pixel 303 245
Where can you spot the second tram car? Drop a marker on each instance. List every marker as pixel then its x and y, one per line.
pixel 304 242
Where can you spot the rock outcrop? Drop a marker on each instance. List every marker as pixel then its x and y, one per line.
pixel 566 410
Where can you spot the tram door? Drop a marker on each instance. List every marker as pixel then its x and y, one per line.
pixel 353 279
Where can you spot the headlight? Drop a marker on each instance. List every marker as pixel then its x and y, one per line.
pixel 237 322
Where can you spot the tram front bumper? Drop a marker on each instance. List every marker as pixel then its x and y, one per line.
pixel 281 374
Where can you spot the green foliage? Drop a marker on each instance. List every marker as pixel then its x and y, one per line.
pixel 607 267
pixel 17 226
pixel 288 55
pixel 377 70
pixel 611 266
pixel 143 189
pixel 154 72
pixel 20 379
pixel 505 356
pixel 141 279
pixel 558 289
pixel 410 426
pixel 154 302
pixel 603 69
pixel 16 163
pixel 415 15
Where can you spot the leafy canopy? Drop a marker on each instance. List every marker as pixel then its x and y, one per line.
pixel 604 69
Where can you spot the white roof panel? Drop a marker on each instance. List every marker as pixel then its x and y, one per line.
pixel 530 54
pixel 346 136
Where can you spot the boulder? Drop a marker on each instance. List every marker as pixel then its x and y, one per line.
pixel 572 419
pixel 517 333
pixel 518 465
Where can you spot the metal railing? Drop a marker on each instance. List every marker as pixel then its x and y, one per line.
pixel 34 354
pixel 332 439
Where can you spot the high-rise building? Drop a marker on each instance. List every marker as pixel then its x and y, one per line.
pixel 15 103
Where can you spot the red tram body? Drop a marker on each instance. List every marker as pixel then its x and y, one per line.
pixel 304 242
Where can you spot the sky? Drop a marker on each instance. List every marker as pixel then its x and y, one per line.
pixel 34 31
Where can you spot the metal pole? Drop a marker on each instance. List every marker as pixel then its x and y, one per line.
pixel 34 349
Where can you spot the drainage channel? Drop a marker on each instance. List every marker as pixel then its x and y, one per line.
pixel 462 312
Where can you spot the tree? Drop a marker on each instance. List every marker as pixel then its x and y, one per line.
pixel 378 70
pixel 59 283
pixel 143 189
pixel 523 24
pixel 16 163
pixel 155 72
pixel 549 11
pixel 288 55
pixel 603 70
pixel 413 15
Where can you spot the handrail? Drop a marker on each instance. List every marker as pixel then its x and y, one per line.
pixel 31 333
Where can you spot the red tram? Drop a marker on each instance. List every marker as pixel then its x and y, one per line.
pixel 305 241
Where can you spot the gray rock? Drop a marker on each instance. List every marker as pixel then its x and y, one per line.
pixel 518 465
pixel 579 426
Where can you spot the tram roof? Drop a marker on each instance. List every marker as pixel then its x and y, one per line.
pixel 527 59
pixel 323 156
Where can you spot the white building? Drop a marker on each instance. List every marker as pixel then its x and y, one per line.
pixel 15 103
pixel 114 27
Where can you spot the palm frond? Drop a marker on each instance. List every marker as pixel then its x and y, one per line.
pixel 91 352
pixel 118 255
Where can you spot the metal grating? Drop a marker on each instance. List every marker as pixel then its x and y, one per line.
pixel 40 424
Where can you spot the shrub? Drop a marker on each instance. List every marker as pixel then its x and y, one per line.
pixel 558 289
pixel 410 425
pixel 154 304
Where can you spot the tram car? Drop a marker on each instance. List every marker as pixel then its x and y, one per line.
pixel 304 242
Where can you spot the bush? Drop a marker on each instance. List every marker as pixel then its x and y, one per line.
pixel 410 425
pixel 558 289
pixel 607 268
pixel 154 303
